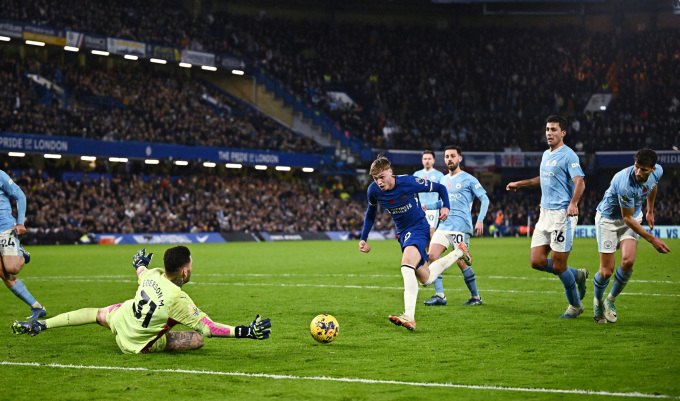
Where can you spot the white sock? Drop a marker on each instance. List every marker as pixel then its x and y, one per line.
pixel 410 290
pixel 440 265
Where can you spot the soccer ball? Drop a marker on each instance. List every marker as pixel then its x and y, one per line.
pixel 324 328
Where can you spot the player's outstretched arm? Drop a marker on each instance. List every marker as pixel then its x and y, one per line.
pixel 651 198
pixel 514 186
pixel 630 221
pixel 141 261
pixel 259 329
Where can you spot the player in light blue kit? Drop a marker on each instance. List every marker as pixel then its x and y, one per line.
pixel 462 189
pixel 619 225
pixel 426 198
pixel 14 256
pixel 397 195
pixel 562 185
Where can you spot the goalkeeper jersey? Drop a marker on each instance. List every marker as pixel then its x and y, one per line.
pixel 158 306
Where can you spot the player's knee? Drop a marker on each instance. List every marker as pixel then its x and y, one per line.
pixel 627 263
pixel 604 272
pixel 538 264
pixel 13 264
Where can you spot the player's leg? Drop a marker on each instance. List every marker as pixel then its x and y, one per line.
pixel 600 283
pixel 621 277
pixel 438 267
pixel 438 245
pixel 411 262
pixel 12 263
pixel 183 341
pixel 468 274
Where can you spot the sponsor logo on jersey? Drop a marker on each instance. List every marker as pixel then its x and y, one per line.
pixel 194 310
pixel 574 165
pixel 478 185
pixel 400 209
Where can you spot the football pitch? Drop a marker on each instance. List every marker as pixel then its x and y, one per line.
pixel 512 347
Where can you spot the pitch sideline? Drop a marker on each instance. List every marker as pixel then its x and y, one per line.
pixel 345 379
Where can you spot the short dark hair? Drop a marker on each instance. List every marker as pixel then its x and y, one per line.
pixel 557 119
pixel 431 152
pixel 175 258
pixel 454 147
pixel 646 157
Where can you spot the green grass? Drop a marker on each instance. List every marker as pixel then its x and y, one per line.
pixel 514 340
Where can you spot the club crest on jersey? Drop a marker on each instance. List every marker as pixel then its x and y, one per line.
pixel 554 163
pixel 458 186
pixel 403 198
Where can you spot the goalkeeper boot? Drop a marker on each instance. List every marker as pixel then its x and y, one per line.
pixel 32 327
pixel 598 311
pixel 610 310
pixel 403 320
pixel 27 256
pixel 581 279
pixel 474 301
pixel 572 312
pixel 436 300
pixel 37 313
pixel 466 255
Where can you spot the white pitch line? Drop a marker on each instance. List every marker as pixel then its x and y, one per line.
pixel 356 287
pixel 333 275
pixel 345 380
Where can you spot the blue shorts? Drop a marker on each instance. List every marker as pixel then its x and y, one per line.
pixel 418 237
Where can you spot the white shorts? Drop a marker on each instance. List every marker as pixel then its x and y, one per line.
pixel 450 238
pixel 9 243
pixel 611 232
pixel 556 229
pixel 432 217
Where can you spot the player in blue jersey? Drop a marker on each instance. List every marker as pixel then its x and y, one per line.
pixel 14 256
pixel 619 225
pixel 431 174
pixel 397 195
pixel 462 190
pixel 562 185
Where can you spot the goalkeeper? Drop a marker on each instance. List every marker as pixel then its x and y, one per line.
pixel 143 324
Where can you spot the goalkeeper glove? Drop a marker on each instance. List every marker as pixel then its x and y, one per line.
pixel 258 329
pixel 141 259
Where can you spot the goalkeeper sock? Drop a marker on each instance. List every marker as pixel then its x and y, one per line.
pixel 74 318
pixel 410 290
pixel 440 265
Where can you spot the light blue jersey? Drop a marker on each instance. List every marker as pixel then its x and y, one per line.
pixel 558 169
pixel 10 189
pixel 433 175
pixel 462 189
pixel 626 192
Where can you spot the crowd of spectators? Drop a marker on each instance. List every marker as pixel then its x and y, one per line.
pixel 139 104
pixel 421 87
pixel 63 208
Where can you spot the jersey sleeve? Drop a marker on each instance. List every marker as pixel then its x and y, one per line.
pixel 477 188
pixel 13 191
pixel 184 311
pixel 658 172
pixel 574 166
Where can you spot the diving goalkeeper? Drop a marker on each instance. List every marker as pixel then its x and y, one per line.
pixel 143 324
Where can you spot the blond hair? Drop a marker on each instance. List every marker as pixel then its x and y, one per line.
pixel 379 165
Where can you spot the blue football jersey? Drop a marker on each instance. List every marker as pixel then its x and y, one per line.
pixel 626 192
pixel 434 176
pixel 462 188
pixel 10 189
pixel 558 168
pixel 400 201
